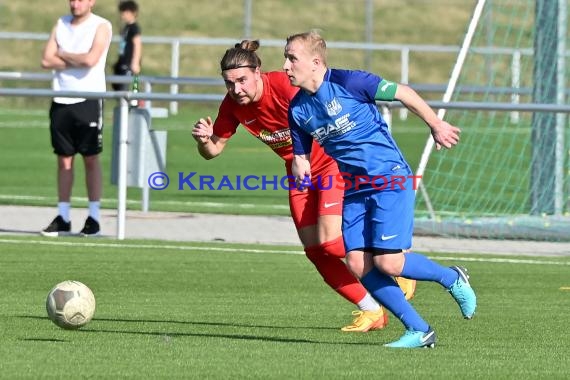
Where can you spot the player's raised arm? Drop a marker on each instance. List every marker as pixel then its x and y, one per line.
pixel 209 145
pixel 444 134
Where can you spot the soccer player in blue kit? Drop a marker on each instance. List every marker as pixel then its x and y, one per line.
pixel 337 108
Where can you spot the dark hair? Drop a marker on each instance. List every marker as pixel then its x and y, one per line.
pixel 241 55
pixel 128 5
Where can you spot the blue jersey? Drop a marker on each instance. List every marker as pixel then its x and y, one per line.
pixel 342 116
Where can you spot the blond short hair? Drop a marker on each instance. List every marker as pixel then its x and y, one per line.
pixel 313 40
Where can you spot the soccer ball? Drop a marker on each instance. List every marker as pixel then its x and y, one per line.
pixel 70 305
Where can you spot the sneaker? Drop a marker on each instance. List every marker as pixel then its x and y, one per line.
pixel 408 286
pixel 91 228
pixel 367 320
pixel 463 293
pixel 415 339
pixel 58 227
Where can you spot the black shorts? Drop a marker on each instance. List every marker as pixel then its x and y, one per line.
pixel 121 69
pixel 77 128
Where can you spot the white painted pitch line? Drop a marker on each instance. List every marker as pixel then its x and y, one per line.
pixel 147 246
pixel 27 112
pixel 206 248
pixel 155 202
pixel 35 124
pixel 501 260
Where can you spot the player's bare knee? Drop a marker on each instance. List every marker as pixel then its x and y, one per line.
pixel 390 263
pixel 92 158
pixel 389 269
pixel 65 162
pixel 355 265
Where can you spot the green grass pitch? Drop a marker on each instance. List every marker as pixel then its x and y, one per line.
pixel 28 165
pixel 189 310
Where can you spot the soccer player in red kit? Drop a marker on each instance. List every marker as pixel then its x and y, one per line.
pixel 259 101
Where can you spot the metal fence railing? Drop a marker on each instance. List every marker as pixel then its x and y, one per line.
pixel 125 96
pixel 150 82
pixel 404 51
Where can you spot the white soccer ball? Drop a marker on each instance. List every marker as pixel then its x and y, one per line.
pixel 70 304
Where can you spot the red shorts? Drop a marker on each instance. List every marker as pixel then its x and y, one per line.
pixel 323 198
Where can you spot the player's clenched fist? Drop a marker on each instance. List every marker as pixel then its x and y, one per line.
pixel 203 130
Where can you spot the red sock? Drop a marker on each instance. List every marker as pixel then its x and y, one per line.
pixel 334 247
pixel 334 271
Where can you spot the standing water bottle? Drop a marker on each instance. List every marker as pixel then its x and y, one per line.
pixel 134 90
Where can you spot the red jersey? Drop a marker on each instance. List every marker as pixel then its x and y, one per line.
pixel 267 119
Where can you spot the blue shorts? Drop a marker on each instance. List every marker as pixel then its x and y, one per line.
pixel 379 220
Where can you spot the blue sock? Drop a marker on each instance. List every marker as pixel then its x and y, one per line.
pixel 419 267
pixel 385 290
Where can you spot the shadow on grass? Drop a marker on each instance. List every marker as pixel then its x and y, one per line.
pixel 18 232
pixel 198 323
pixel 167 336
pixel 43 340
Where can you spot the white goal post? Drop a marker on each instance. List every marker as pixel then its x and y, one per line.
pixel 447 97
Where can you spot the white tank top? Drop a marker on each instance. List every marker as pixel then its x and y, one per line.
pixel 79 39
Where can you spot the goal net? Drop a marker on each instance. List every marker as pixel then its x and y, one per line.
pixel 509 178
